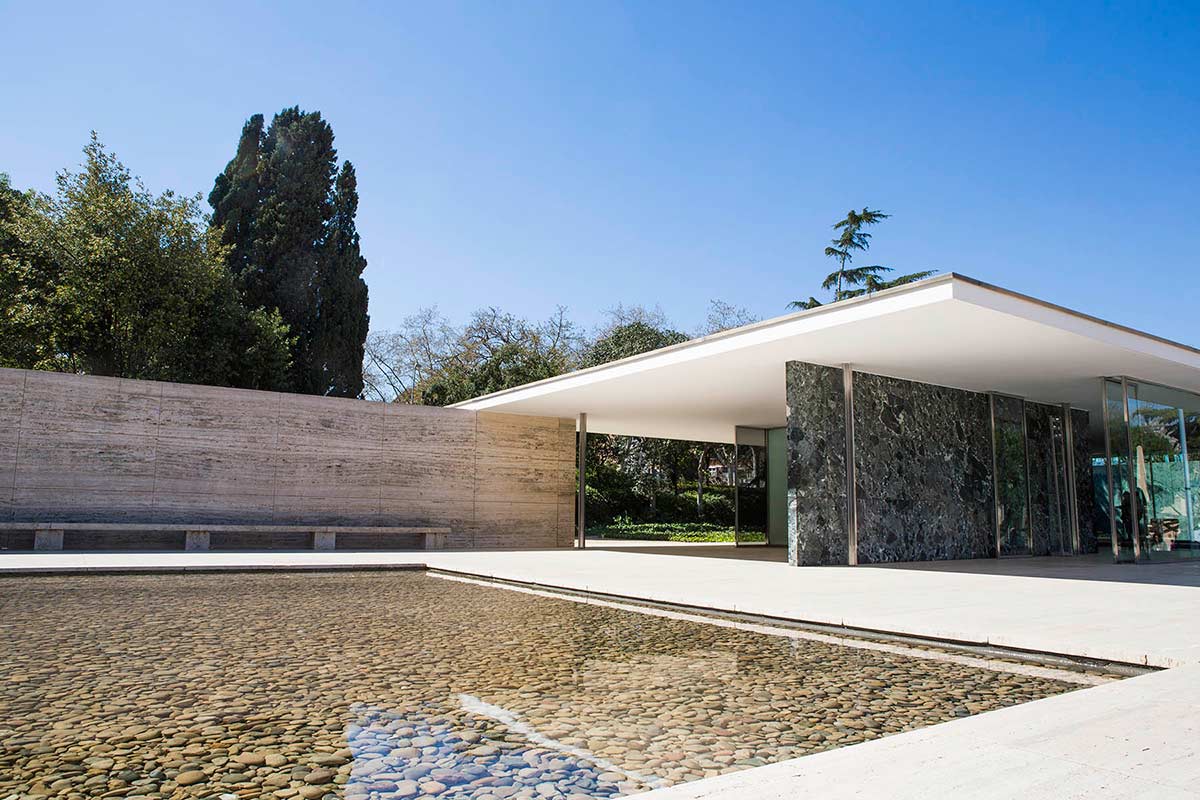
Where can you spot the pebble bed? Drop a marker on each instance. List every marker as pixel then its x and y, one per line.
pixel 374 685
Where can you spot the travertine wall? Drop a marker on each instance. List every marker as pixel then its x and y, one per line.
pixel 84 448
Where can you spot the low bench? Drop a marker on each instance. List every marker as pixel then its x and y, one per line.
pixel 49 535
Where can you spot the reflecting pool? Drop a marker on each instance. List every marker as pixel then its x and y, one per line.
pixel 404 685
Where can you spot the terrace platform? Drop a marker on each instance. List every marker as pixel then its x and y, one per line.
pixel 1132 738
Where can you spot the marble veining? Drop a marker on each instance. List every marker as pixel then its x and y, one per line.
pixel 1085 491
pixel 923 464
pixel 816 431
pixel 1045 480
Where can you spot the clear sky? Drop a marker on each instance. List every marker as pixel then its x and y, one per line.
pixel 526 154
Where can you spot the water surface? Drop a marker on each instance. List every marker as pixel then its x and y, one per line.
pixel 404 685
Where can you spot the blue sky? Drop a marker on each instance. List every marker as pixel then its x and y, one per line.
pixel 528 154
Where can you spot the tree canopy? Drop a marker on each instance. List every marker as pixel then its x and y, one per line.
pixel 287 215
pixel 629 339
pixel 103 277
pixel 848 281
pixel 429 361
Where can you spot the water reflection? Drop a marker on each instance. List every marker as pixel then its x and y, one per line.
pixel 484 751
pixel 360 685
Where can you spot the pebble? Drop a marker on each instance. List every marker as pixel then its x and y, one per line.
pixel 319 776
pixel 257 686
pixel 190 777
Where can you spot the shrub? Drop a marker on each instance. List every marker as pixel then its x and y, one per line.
pixel 623 528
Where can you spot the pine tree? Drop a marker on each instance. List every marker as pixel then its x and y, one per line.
pixel 289 215
pixel 846 281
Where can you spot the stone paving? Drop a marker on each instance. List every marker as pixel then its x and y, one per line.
pixel 373 685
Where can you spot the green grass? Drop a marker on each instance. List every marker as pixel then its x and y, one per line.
pixel 665 531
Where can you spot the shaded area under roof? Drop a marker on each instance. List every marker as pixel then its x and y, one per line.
pixel 949 330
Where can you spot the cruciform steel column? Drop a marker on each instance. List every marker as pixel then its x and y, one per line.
pixel 581 503
pixel 1069 448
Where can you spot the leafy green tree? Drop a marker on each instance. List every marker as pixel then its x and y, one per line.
pixel 848 281
pixel 287 214
pixel 645 464
pixel 107 279
pixel 24 284
pixel 629 339
pixel 498 351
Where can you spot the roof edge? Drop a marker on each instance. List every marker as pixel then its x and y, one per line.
pixel 1116 326
pixel 915 286
pixel 936 280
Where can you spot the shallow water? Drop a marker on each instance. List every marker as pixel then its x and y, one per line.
pixel 402 685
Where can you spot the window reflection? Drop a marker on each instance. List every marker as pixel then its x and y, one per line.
pixel 1164 427
pixel 1012 487
pixel 751 495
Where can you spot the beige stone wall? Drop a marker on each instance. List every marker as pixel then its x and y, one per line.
pixel 84 448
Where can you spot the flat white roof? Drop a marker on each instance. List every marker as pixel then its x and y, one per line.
pixel 949 330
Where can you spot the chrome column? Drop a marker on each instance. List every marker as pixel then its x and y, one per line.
pixel 1072 499
pixel 995 475
pixel 1108 471
pixel 581 503
pixel 1133 461
pixel 851 488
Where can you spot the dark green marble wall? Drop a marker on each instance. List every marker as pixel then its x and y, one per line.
pixel 923 471
pixel 816 436
pixel 1085 491
pixel 923 466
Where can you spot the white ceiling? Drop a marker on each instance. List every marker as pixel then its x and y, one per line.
pixel 949 330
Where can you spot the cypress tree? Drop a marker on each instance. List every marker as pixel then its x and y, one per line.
pixel 342 297
pixel 234 200
pixel 289 213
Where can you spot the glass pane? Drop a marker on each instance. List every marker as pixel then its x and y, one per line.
pixel 1120 502
pixel 1100 521
pixel 1012 486
pixel 1060 493
pixel 777 486
pixel 751 486
pixel 1163 472
pixel 1046 452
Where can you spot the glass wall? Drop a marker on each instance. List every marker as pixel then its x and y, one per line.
pixel 1012 478
pixel 1049 480
pixel 1152 436
pixel 1164 427
pixel 1121 502
pixel 777 510
pixel 750 486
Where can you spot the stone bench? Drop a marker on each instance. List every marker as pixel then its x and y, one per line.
pixel 49 535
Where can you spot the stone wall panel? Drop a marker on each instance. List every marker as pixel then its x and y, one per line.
pixel 923 469
pixel 817 490
pixel 12 393
pixel 1085 489
pixel 85 448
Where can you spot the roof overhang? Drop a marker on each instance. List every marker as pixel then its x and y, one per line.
pixel 948 330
